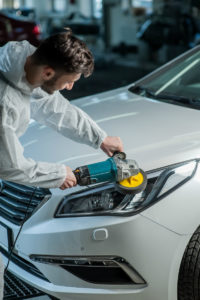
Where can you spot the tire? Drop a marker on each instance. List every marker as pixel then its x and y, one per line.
pixel 189 274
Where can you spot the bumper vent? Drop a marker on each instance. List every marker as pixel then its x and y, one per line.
pixel 100 273
pixel 104 271
pixel 14 200
pixel 96 269
pixel 15 288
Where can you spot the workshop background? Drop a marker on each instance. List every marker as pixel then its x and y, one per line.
pixel 129 38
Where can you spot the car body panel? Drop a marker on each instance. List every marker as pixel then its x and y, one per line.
pixel 182 204
pixel 79 230
pixel 146 128
pixel 168 142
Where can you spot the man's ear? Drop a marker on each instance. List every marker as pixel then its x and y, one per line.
pixel 48 73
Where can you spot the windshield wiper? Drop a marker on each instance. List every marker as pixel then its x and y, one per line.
pixel 139 89
pixel 182 100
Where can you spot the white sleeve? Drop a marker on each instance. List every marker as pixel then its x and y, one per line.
pixel 58 113
pixel 14 166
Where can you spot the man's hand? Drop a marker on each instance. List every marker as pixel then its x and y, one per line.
pixel 70 179
pixel 111 144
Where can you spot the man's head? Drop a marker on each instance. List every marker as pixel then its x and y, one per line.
pixel 58 62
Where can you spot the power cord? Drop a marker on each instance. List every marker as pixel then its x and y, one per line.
pixel 25 218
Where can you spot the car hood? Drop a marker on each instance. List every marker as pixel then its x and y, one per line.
pixel 154 133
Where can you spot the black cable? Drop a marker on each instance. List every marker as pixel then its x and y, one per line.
pixel 21 226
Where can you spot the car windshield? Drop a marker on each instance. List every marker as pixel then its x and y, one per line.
pixel 180 82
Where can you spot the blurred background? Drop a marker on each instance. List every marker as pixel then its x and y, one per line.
pixel 129 38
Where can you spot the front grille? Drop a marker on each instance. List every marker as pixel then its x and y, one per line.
pixel 15 288
pixel 24 264
pixel 15 200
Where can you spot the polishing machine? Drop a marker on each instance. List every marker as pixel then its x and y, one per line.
pixel 125 173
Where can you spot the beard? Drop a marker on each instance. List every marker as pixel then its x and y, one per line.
pixel 49 86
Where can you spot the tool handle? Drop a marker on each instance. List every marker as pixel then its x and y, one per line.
pixel 121 155
pixel 82 175
pixel 76 174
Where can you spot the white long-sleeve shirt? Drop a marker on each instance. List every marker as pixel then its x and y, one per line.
pixel 17 100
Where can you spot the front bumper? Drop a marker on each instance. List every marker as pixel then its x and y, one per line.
pixel 153 251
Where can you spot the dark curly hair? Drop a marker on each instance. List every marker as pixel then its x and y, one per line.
pixel 65 52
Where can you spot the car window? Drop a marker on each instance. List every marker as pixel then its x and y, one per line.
pixel 182 79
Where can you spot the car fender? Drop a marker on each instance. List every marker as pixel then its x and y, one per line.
pixel 179 211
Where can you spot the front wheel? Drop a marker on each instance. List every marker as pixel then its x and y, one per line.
pixel 189 274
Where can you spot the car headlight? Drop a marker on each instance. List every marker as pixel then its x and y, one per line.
pixel 105 200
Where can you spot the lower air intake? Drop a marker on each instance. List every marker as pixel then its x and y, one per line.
pixel 95 269
pixel 15 288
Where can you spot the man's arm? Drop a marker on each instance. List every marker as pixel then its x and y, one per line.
pixel 14 166
pixel 58 113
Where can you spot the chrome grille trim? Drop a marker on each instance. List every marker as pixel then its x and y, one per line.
pixel 15 198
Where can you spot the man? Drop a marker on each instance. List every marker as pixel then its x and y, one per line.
pixel 29 75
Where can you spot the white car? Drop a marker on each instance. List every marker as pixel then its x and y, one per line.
pixel 92 242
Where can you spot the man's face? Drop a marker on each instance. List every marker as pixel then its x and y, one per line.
pixel 60 81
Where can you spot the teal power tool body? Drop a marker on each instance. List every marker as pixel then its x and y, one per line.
pixel 125 173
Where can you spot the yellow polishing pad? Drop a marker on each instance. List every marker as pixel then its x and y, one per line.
pixel 133 181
